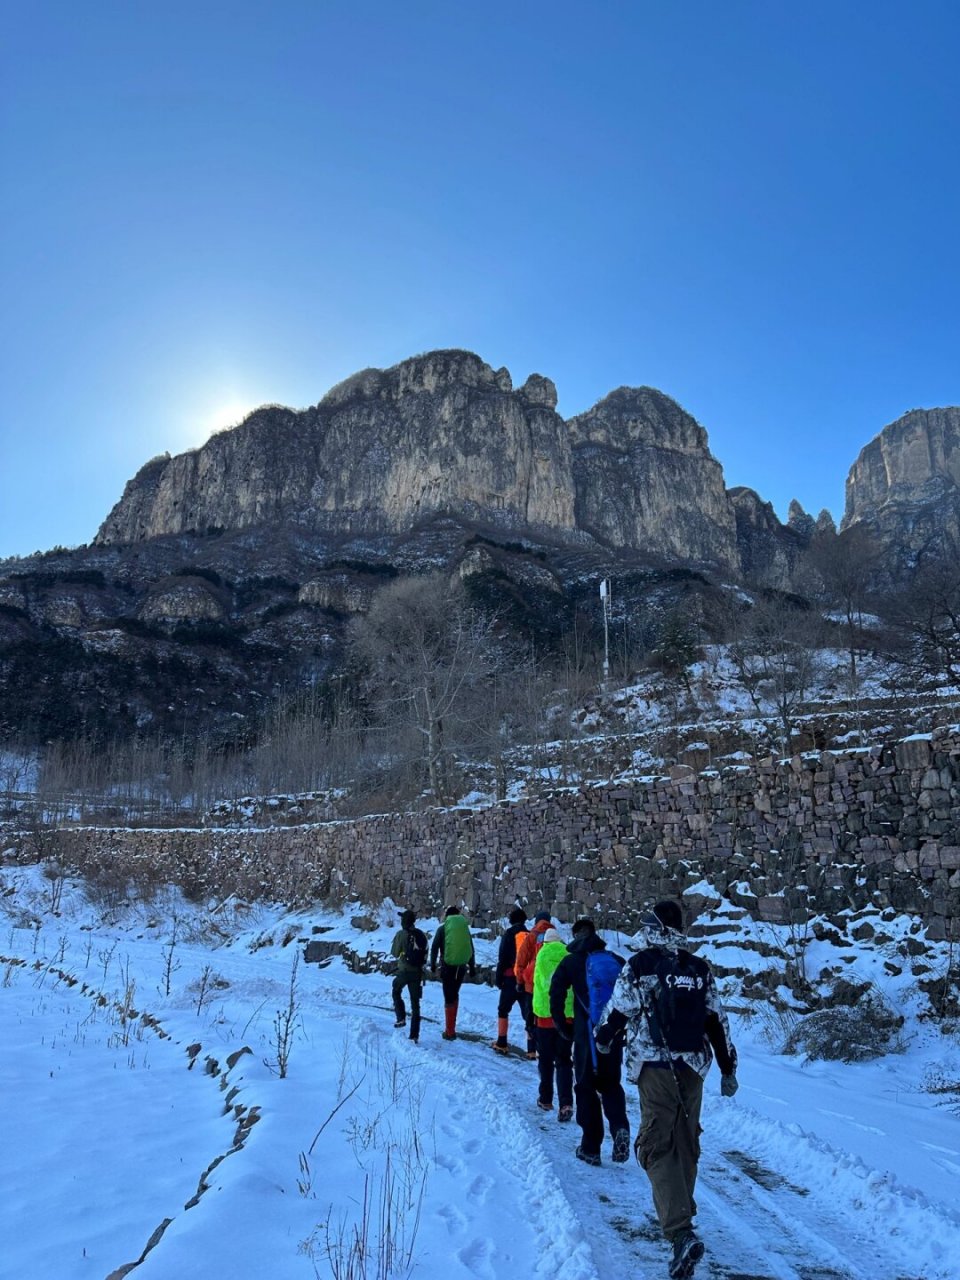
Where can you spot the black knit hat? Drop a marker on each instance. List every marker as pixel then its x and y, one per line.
pixel 541 915
pixel 407 918
pixel 517 916
pixel 669 914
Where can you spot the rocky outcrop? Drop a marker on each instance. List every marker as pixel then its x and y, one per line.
pixel 768 551
pixel 446 434
pixel 644 477
pixel 906 482
pixel 441 433
pixel 183 600
pixel 800 521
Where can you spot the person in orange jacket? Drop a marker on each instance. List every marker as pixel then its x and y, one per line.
pixel 527 947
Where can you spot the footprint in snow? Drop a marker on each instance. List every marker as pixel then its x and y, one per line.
pixel 450 1163
pixel 471 1147
pixel 477 1257
pixel 454 1219
pixel 480 1188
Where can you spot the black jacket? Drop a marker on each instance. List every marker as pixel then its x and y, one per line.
pixel 572 972
pixel 507 955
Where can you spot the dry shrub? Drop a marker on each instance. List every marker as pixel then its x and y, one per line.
pixel 856 1033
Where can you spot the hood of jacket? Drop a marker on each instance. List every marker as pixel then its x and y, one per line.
pixel 660 935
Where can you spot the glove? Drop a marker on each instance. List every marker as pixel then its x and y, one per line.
pixel 603 1040
pixel 729 1085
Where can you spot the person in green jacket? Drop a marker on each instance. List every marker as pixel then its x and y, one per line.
pixel 453 946
pixel 410 949
pixel 554 1051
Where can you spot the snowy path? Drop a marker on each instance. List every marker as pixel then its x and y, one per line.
pixel 112 1133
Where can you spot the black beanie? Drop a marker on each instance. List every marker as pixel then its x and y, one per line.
pixel 517 916
pixel 668 913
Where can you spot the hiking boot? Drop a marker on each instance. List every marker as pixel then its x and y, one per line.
pixel 531 1055
pixel 565 1115
pixel 448 1035
pixel 400 1022
pixel 497 1047
pixel 621 1146
pixel 687 1252
pixel 589 1157
pixel 544 1106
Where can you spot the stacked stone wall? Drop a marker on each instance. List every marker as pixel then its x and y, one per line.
pixel 820 832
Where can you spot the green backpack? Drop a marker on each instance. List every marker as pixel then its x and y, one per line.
pixel 456 941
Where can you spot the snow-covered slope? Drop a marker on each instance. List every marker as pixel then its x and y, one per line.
pixel 433 1158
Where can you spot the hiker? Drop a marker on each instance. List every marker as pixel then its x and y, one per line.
pixel 590 971
pixel 505 980
pixel 554 1040
pixel 666 1003
pixel 527 947
pixel 454 947
pixel 410 948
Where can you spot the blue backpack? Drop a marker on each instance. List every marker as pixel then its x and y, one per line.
pixel 603 969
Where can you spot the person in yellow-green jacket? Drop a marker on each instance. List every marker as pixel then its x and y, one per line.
pixel 554 1051
pixel 453 946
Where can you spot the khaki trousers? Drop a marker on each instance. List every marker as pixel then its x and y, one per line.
pixel 668 1145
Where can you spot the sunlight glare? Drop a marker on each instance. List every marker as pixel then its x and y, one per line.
pixel 206 415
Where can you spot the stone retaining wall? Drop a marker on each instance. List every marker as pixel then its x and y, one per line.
pixel 822 831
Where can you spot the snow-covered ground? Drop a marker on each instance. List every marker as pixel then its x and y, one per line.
pixel 374 1157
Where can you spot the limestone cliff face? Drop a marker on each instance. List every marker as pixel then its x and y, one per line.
pixel 644 477
pixel 769 551
pixel 442 432
pixel 446 434
pixel 906 482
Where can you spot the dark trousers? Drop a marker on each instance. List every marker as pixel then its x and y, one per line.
pixel 555 1056
pixel 525 1001
pixel 599 1093
pixel 668 1145
pixel 451 979
pixel 414 984
pixel 509 996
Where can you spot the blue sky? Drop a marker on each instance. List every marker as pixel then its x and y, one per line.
pixel 206 206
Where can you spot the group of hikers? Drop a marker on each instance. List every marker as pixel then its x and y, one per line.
pixel 585 1013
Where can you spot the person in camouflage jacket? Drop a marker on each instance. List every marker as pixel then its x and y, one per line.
pixel 668 1063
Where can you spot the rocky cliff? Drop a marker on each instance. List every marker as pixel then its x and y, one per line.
pixel 644 477
pixel 444 433
pixel 906 482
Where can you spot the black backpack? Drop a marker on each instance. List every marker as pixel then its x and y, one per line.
pixel 416 948
pixel 677 1000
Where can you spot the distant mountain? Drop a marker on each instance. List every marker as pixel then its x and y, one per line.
pixel 446 434
pixel 905 484
pixel 227 574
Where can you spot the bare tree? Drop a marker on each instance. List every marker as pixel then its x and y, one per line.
pixel 427 660
pixel 847 564
pixel 928 609
pixel 774 646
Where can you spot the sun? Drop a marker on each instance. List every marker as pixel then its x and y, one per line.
pixel 226 413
